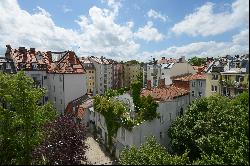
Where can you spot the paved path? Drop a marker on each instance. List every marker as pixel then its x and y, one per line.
pixel 94 154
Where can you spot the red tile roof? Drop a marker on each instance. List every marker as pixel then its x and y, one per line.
pixel 164 61
pixel 191 77
pixel 69 63
pixel 24 59
pixel 164 94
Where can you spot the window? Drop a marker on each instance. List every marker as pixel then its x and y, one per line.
pixel 61 101
pixel 193 94
pixel 46 98
pixel 92 71
pixel 214 77
pixel 215 88
pixel 54 88
pixel 90 83
pixel 160 134
pixel 193 84
pixel 162 73
pixel 89 71
pixel 45 77
pixel 212 88
pixel 8 66
pixel 123 134
pixel 181 112
pixel 60 78
pixel 200 93
pixel 200 83
pixel 55 99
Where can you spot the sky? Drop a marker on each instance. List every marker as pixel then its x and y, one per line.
pixel 127 29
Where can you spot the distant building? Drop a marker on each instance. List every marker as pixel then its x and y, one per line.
pixel 131 73
pixel 104 74
pixel 7 65
pixel 165 69
pixel 91 75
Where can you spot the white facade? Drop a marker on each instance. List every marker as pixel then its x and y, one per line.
pixel 103 76
pixel 42 80
pixel 169 111
pixel 197 89
pixel 155 72
pixel 64 88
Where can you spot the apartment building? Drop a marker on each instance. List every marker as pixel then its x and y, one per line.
pixel 60 73
pixel 118 74
pixel 165 69
pixel 131 72
pixel 104 74
pixel 195 84
pixel 7 65
pixel 91 74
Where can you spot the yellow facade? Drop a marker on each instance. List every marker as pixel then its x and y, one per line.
pixel 90 80
pixel 213 84
pixel 131 71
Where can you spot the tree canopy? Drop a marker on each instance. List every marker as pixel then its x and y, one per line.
pixel 21 118
pixel 215 130
pixel 150 153
pixel 196 61
pixel 64 143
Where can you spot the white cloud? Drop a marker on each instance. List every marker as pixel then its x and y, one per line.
pixel 66 9
pixel 242 38
pixel 204 21
pixel 149 33
pixel 99 34
pixel 238 45
pixel 153 14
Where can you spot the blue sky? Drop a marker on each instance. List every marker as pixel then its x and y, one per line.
pixel 127 29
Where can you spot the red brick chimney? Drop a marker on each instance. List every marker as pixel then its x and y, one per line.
pixel 200 69
pixel 161 83
pixel 149 84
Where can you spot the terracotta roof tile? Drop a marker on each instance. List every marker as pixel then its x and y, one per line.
pixel 196 76
pixel 164 94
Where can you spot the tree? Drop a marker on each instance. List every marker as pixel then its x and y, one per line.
pixel 148 108
pixel 64 144
pixel 21 118
pixel 195 61
pixel 136 91
pixel 150 153
pixel 215 130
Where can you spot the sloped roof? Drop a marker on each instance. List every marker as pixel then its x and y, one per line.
pixel 69 63
pixel 196 76
pixel 164 94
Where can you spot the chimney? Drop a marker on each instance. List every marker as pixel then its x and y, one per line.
pixel 149 84
pixel 161 83
pixel 32 50
pixel 7 53
pixel 102 58
pixel 162 58
pixel 199 70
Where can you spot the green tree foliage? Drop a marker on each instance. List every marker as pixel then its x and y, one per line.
pixel 132 62
pixel 150 153
pixel 215 130
pixel 112 111
pixel 22 119
pixel 136 91
pixel 195 61
pixel 148 108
